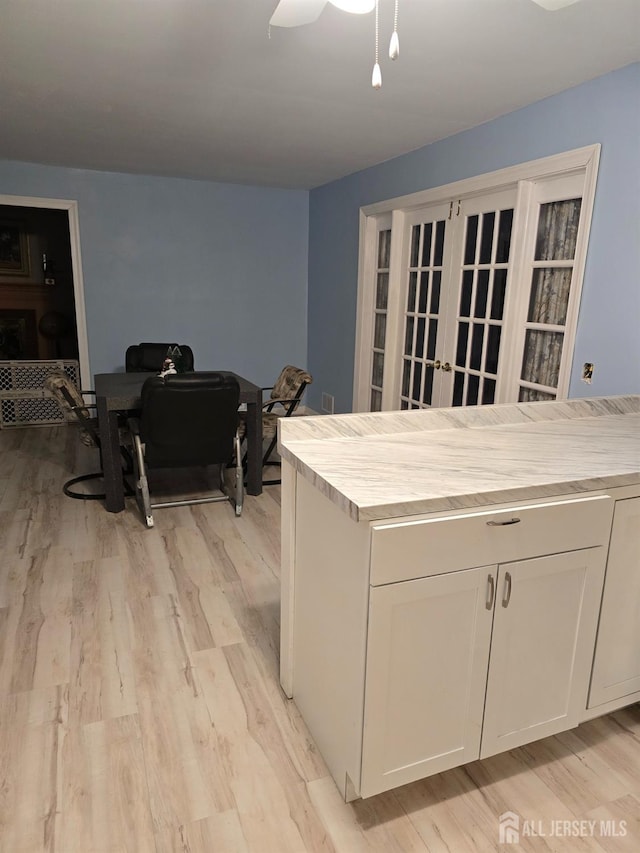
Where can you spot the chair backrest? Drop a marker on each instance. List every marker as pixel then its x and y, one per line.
pixel 72 405
pixel 291 383
pixel 189 419
pixel 149 357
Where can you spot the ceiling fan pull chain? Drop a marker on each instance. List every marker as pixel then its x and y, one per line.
pixel 376 77
pixel 394 45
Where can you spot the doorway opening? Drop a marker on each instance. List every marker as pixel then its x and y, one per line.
pixel 42 312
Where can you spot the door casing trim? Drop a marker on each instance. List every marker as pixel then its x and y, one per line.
pixel 71 207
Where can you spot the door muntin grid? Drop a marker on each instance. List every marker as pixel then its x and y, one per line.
pixel 480 315
pixel 541 295
pixel 551 279
pixel 383 255
pixel 422 313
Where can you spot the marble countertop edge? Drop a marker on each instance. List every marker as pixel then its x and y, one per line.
pixel 367 424
pixel 580 455
pixel 364 511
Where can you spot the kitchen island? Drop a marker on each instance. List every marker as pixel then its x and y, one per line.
pixel 458 582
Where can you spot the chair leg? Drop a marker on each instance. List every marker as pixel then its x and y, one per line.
pixel 142 486
pixel 239 479
pixel 83 496
pixel 271 482
pixel 265 461
pixel 270 449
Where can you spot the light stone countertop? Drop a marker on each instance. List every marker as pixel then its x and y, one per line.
pixel 388 464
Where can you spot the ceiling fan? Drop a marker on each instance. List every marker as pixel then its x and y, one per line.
pixel 294 13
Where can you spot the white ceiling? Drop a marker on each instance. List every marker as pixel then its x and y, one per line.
pixel 198 88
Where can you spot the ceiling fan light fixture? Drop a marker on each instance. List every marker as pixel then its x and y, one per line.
pixel 394 44
pixel 356 7
pixel 554 5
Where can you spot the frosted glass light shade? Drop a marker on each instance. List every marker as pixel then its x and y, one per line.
pixel 554 5
pixel 394 46
pixel 357 7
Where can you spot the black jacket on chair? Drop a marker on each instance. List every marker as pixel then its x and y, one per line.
pixel 149 357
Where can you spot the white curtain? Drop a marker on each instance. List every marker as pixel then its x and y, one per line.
pixel 556 241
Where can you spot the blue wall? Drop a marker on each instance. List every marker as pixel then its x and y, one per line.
pixel 224 267
pixel 218 266
pixel 605 110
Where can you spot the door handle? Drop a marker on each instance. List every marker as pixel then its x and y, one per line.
pixel 506 598
pixel 435 364
pixel 446 367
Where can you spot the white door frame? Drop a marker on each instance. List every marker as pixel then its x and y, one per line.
pixel 76 264
pixel 585 159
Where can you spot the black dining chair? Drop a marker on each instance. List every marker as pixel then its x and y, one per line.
pixel 188 420
pixel 149 357
pixel 77 411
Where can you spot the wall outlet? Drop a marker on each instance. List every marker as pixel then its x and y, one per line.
pixel 587 372
pixel 327 403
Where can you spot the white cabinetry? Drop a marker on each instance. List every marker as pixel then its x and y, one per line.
pixel 421 633
pixel 616 668
pixel 431 642
pixel 546 614
pixel 423 643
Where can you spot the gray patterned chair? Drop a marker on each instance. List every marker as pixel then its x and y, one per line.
pixel 77 412
pixel 283 401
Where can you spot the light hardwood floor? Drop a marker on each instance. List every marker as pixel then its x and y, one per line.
pixel 140 708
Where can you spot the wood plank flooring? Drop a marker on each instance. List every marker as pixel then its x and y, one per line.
pixel 140 708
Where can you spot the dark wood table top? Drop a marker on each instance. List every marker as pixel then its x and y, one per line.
pixel 122 390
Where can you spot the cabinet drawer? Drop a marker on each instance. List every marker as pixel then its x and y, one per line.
pixel 414 549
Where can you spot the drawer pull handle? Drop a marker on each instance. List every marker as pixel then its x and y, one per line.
pixel 507 589
pixel 491 591
pixel 503 523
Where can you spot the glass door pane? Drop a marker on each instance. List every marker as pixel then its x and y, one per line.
pixel 383 255
pixel 483 251
pixel 422 306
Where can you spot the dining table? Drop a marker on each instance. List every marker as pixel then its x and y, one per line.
pixel 121 392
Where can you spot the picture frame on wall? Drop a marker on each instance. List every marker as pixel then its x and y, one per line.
pixel 14 250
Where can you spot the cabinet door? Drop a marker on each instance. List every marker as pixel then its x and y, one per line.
pixel 616 668
pixel 427 657
pixel 541 649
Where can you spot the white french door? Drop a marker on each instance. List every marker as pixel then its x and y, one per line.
pixel 424 310
pixel 454 281
pixel 380 311
pixel 545 309
pixel 473 299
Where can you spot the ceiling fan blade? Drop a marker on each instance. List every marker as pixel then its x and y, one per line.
pixel 356 7
pixel 294 13
pixel 553 5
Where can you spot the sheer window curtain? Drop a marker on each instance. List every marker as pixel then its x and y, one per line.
pixel 550 286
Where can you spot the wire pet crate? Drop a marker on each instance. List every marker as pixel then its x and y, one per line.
pixel 22 397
